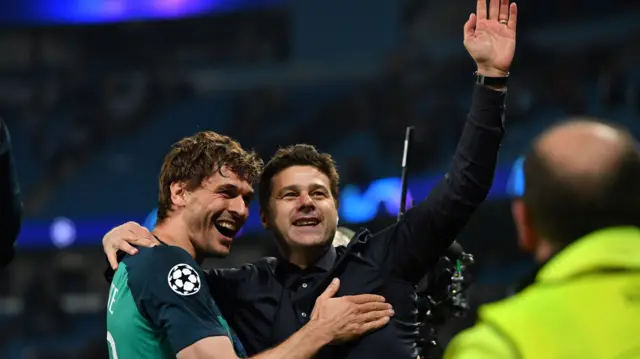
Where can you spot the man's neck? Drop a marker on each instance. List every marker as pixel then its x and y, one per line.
pixel 304 258
pixel 174 232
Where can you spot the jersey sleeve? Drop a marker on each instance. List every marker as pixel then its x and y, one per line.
pixel 170 292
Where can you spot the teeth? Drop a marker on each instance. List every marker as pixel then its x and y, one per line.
pixel 227 225
pixel 310 222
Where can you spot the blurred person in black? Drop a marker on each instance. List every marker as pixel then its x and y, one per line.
pixel 10 200
pixel 578 216
pixel 268 300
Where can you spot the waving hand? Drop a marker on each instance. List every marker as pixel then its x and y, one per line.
pixel 490 38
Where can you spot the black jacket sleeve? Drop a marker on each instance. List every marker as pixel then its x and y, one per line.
pixel 429 228
pixel 10 199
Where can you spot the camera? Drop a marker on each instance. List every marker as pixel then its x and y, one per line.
pixel 442 296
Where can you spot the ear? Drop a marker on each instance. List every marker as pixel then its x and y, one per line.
pixel 178 194
pixel 264 218
pixel 527 235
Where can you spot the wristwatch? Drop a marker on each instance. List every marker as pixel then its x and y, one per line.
pixel 491 81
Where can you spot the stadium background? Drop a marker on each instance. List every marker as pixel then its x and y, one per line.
pixel 95 93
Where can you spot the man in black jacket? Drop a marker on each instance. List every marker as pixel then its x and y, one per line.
pixel 10 200
pixel 267 300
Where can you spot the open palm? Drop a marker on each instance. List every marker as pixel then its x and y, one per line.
pixel 491 38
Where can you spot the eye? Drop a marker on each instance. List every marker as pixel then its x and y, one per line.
pixel 289 196
pixel 318 194
pixel 247 200
pixel 228 193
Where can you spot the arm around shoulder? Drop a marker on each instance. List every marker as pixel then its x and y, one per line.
pixel 304 344
pixel 332 320
pixel 209 348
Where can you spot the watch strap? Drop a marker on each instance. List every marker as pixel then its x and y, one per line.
pixel 491 81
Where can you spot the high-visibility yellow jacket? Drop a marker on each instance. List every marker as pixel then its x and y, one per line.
pixel 584 303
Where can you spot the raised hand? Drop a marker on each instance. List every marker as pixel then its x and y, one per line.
pixel 490 38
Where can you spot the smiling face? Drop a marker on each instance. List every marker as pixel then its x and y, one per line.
pixel 215 211
pixel 206 186
pixel 302 212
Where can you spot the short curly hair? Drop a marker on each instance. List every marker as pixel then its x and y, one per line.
pixel 196 158
pixel 298 155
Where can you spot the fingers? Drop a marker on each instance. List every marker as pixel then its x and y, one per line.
pixel 376 324
pixel 112 251
pixel 366 298
pixel 331 290
pixel 142 237
pixel 373 306
pixel 129 232
pixel 504 10
pixel 481 9
pixel 513 16
pixel 470 26
pixel 377 315
pixel 499 10
pixel 126 247
pixel 139 235
pixel 121 238
pixel 112 257
pixel 494 9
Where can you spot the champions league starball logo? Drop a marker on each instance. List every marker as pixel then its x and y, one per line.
pixel 183 279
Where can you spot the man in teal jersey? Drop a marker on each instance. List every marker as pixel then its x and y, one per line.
pixel 159 306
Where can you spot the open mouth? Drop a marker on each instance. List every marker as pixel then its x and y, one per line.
pixel 227 228
pixel 306 222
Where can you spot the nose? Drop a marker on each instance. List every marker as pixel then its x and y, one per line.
pixel 305 201
pixel 238 207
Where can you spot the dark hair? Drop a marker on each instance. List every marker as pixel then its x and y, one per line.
pixel 297 155
pixel 565 208
pixel 196 158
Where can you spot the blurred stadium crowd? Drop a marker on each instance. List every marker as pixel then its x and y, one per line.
pixel 92 109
